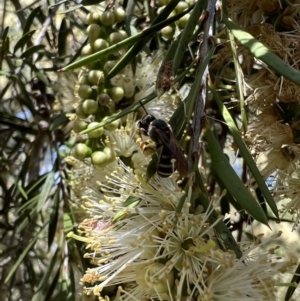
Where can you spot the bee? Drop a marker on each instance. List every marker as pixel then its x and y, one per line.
pixel 160 132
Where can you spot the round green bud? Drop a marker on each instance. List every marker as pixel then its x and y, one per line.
pixel 109 65
pixel 123 33
pixel 80 113
pixel 79 126
pixel 92 18
pixel 100 44
pixel 83 79
pixel 81 151
pixel 181 6
pixel 93 31
pixel 114 38
pixel 90 106
pixel 108 18
pixel 182 21
pixel 119 14
pixel 99 159
pixel 84 91
pixel 110 154
pixel 111 126
pixel 167 32
pixel 95 133
pixel 117 94
pixel 96 77
pixel 87 50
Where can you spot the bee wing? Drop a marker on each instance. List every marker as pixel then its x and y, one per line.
pixel 167 139
pixel 176 153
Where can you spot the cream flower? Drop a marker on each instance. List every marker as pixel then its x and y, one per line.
pixel 146 251
pixel 287 191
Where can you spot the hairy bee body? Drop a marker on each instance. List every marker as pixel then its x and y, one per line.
pixel 161 134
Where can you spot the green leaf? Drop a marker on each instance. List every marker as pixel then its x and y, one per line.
pixel 60 120
pixel 231 181
pixel 47 274
pixel 22 256
pixel 4 48
pixel 262 52
pixel 31 50
pixel 45 193
pixel 222 232
pixel 187 33
pixel 53 287
pixel 130 202
pixel 25 38
pixel 152 166
pixel 295 281
pixel 62 37
pixel 30 19
pixel 245 152
pixel 53 219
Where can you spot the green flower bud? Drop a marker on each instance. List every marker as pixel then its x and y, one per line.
pixel 96 77
pixel 84 91
pixel 119 14
pixel 117 94
pixel 92 18
pixel 81 151
pixel 93 31
pixel 90 106
pixel 108 18
pixel 95 133
pixel 99 159
pixel 79 126
pixel 100 44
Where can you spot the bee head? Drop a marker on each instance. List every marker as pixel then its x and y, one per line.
pixel 144 124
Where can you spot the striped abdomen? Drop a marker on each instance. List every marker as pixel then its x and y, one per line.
pixel 165 168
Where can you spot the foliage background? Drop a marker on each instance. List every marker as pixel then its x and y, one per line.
pixel 38 207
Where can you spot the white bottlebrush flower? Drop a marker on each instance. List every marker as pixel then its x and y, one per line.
pixel 144 78
pixel 123 140
pixel 147 251
pixel 287 191
pixel 272 160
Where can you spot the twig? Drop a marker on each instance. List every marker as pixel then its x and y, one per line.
pixel 201 100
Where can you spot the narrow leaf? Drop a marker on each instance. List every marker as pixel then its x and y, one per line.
pixel 222 230
pixel 31 50
pixel 187 33
pixel 262 52
pixel 62 37
pixel 44 282
pixel 45 191
pixel 245 152
pixel 30 19
pixel 53 219
pixel 25 38
pixel 22 256
pixel 295 281
pixel 232 182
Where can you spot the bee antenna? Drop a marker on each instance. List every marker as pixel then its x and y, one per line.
pixel 143 107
